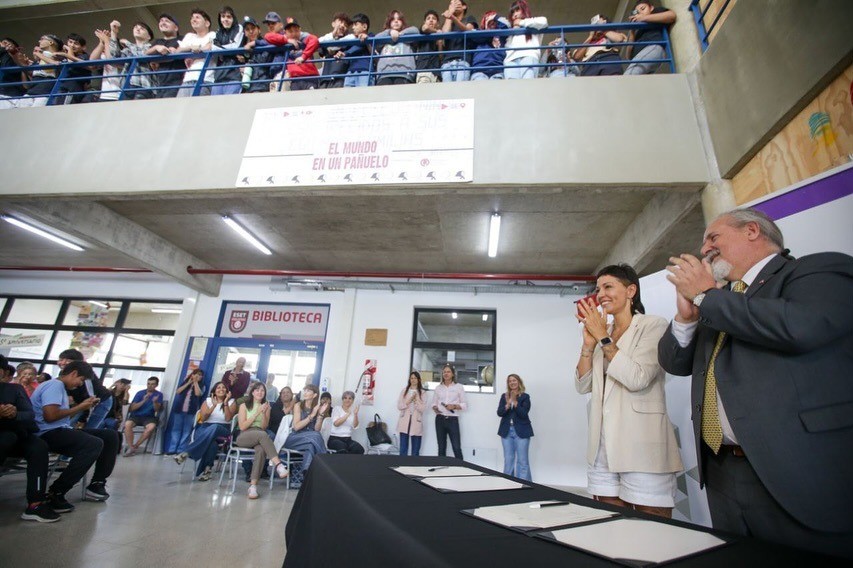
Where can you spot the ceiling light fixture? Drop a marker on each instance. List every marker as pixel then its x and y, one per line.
pixel 454 315
pixel 240 230
pixel 485 317
pixel 165 310
pixel 101 304
pixel 494 234
pixel 41 233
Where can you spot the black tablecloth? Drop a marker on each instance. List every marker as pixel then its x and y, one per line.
pixel 355 511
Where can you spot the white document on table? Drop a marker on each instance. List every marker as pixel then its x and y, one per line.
pixel 637 540
pixel 437 471
pixel 527 516
pixel 472 483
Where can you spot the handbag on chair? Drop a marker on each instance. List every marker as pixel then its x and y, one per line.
pixel 376 433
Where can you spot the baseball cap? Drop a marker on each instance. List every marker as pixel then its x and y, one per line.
pixel 249 20
pixel 272 18
pixel 169 17
pixel 290 22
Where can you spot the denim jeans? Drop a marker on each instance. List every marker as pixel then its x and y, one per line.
pixel 515 455
pixel 448 426
pixel 178 436
pixel 357 79
pixel 480 76
pixel 457 70
pixel 99 413
pixel 404 444
pixel 520 68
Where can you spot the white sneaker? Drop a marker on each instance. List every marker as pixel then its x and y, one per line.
pixel 281 470
pixel 253 492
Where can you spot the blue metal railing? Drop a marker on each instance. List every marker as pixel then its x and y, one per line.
pixel 140 66
pixel 699 14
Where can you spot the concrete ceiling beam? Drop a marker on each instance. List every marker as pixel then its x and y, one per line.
pixel 641 239
pixel 102 226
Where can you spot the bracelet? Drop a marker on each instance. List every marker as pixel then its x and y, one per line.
pixel 587 351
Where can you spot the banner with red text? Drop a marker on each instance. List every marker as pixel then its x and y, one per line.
pixel 293 322
pixel 400 142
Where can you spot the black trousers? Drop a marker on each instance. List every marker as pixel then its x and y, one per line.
pixel 85 447
pixel 448 426
pixel 344 445
pixel 740 504
pixel 34 450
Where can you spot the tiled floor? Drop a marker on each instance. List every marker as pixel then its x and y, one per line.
pixel 153 518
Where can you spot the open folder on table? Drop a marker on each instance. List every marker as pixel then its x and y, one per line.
pixel 471 483
pixel 437 471
pixel 635 542
pixel 534 516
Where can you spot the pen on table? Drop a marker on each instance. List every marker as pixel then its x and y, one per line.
pixel 541 505
pixel 437 468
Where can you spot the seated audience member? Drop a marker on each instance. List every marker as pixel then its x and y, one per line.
pixel 258 70
pixel 120 397
pixel 358 74
pixel 326 399
pixel 281 408
pixel 253 419
pixel 91 386
pixel 456 65
pixel 305 437
pixel 229 36
pixel 43 78
pixel 645 11
pixel 188 399
pixel 397 64
pixel 141 81
pixel 344 421
pixel 335 69
pixel 169 83
pixel 235 407
pixel 143 412
pixel 214 417
pixel 301 70
pixel 42 377
pixel 7 373
pixel 560 60
pixel 78 77
pixel 85 447
pixel 237 379
pixel 25 375
pixel 197 41
pixel 521 61
pixel 429 62
pixel 601 52
pixel 272 392
pixel 489 51
pixel 18 439
pixel 11 56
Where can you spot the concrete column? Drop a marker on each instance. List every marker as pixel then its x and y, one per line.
pixel 686 48
pixel 718 197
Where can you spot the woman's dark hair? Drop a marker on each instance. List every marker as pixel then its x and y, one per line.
pixel 213 391
pixel 625 274
pixel 193 372
pixel 314 401
pixel 391 16
pixel 420 384
pixel 327 395
pixel 452 370
pixel 252 388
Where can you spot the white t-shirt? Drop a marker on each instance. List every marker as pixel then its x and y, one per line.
pixel 193 40
pixel 345 429
pixel 218 414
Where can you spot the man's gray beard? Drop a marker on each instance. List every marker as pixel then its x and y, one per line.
pixel 721 269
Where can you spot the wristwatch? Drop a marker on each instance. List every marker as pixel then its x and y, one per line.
pixel 697 299
pixel 605 341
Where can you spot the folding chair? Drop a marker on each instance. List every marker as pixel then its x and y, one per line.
pixel 288 456
pixel 234 456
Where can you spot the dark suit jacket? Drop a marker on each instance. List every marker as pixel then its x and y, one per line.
pixel 783 375
pixel 519 416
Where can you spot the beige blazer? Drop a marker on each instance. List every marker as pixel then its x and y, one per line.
pixel 638 435
pixel 413 412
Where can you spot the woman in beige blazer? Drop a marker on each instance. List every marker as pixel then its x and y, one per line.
pixel 411 404
pixel 632 453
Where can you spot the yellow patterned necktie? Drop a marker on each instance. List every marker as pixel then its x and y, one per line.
pixel 712 432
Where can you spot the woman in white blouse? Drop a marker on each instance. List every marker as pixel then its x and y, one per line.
pixel 447 403
pixel 214 416
pixel 344 421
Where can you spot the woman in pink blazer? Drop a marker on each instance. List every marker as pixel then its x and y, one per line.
pixel 411 403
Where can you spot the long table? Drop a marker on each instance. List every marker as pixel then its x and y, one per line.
pixel 355 511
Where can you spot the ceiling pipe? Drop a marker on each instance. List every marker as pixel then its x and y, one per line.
pixel 401 275
pixel 73 269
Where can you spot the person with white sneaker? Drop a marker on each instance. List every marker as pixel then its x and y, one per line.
pixel 253 419
pixel 84 446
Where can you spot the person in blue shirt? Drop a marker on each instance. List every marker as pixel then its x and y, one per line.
pixel 143 412
pixel 86 446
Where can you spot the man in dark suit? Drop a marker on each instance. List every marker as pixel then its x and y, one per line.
pixel 772 393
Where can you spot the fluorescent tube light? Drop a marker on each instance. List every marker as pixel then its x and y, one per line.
pixel 101 304
pixel 165 310
pixel 41 233
pixel 494 234
pixel 240 230
pixel 454 315
pixel 485 317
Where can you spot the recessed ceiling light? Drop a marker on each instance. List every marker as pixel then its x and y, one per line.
pixel 454 315
pixel 239 229
pixel 485 317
